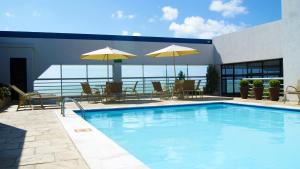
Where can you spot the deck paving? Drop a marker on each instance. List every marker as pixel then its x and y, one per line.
pixel 35 139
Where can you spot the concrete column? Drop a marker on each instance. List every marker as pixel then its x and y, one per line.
pixel 117 72
pixel 290 42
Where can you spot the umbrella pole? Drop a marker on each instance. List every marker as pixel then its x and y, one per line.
pixel 107 67
pixel 174 66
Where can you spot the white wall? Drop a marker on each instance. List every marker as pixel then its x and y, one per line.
pixel 42 53
pixel 258 43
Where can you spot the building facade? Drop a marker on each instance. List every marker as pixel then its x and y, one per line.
pixel 269 50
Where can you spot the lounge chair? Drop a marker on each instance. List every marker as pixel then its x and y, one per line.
pixel 158 90
pixel 198 91
pixel 27 98
pixel 188 88
pixel 90 93
pixel 178 89
pixel 132 90
pixel 293 90
pixel 113 91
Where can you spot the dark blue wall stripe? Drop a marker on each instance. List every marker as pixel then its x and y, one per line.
pixel 100 37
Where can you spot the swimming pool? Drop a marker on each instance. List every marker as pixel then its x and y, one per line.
pixel 206 136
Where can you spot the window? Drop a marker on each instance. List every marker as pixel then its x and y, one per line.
pixel 233 73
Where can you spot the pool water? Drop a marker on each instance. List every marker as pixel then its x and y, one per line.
pixel 209 136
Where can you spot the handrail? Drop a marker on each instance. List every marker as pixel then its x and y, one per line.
pixel 76 103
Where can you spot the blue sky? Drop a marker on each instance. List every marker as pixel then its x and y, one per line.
pixel 167 18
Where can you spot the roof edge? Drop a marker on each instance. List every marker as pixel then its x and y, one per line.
pixel 50 35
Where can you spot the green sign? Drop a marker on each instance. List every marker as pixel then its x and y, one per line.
pixel 118 61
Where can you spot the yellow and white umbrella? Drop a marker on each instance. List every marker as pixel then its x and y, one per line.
pixel 106 54
pixel 174 51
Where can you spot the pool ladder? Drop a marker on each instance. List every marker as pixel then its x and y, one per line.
pixel 76 103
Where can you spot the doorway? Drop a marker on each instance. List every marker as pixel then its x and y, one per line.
pixel 18 75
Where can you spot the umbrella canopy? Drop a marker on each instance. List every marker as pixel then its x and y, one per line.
pixel 106 54
pixel 174 51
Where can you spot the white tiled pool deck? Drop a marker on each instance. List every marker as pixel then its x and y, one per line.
pixel 44 139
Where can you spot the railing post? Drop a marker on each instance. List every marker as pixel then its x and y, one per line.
pixel 61 87
pixel 143 78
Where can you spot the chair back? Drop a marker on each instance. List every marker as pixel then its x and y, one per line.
pixel 298 86
pixel 19 91
pixel 188 85
pixel 114 87
pixel 135 85
pixel 157 86
pixel 86 88
pixel 198 85
pixel 178 86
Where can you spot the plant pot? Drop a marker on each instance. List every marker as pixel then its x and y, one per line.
pixel 4 102
pixel 258 92
pixel 244 92
pixel 274 93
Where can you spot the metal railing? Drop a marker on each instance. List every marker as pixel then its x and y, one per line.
pixel 72 87
pixel 76 103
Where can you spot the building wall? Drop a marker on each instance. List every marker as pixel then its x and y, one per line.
pixel 291 41
pixel 258 43
pixel 41 53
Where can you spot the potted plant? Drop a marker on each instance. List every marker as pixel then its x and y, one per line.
pixel 274 89
pixel 244 89
pixel 4 96
pixel 258 89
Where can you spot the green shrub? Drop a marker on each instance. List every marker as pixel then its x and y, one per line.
pixel 181 76
pixel 4 92
pixel 258 83
pixel 274 83
pixel 244 83
pixel 212 79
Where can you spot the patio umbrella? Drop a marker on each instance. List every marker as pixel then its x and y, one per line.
pixel 174 51
pixel 106 54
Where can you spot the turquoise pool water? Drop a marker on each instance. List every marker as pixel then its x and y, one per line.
pixel 210 136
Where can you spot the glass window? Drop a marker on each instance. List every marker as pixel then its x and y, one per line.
pixel 255 68
pixel 271 67
pixel 240 69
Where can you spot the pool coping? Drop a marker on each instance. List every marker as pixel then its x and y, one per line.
pixel 101 152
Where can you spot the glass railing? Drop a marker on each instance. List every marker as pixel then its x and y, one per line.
pixel 72 86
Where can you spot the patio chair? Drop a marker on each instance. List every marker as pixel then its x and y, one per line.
pixel 27 98
pixel 132 90
pixel 188 88
pixel 178 89
pixel 113 91
pixel 293 90
pixel 158 90
pixel 90 93
pixel 198 91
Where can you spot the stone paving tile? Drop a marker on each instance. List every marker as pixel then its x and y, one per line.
pixel 36 139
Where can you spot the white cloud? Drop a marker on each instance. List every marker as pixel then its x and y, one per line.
pixel 136 34
pixel 125 32
pixel 131 16
pixel 197 27
pixel 8 14
pixel 169 13
pixel 120 15
pixel 228 9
